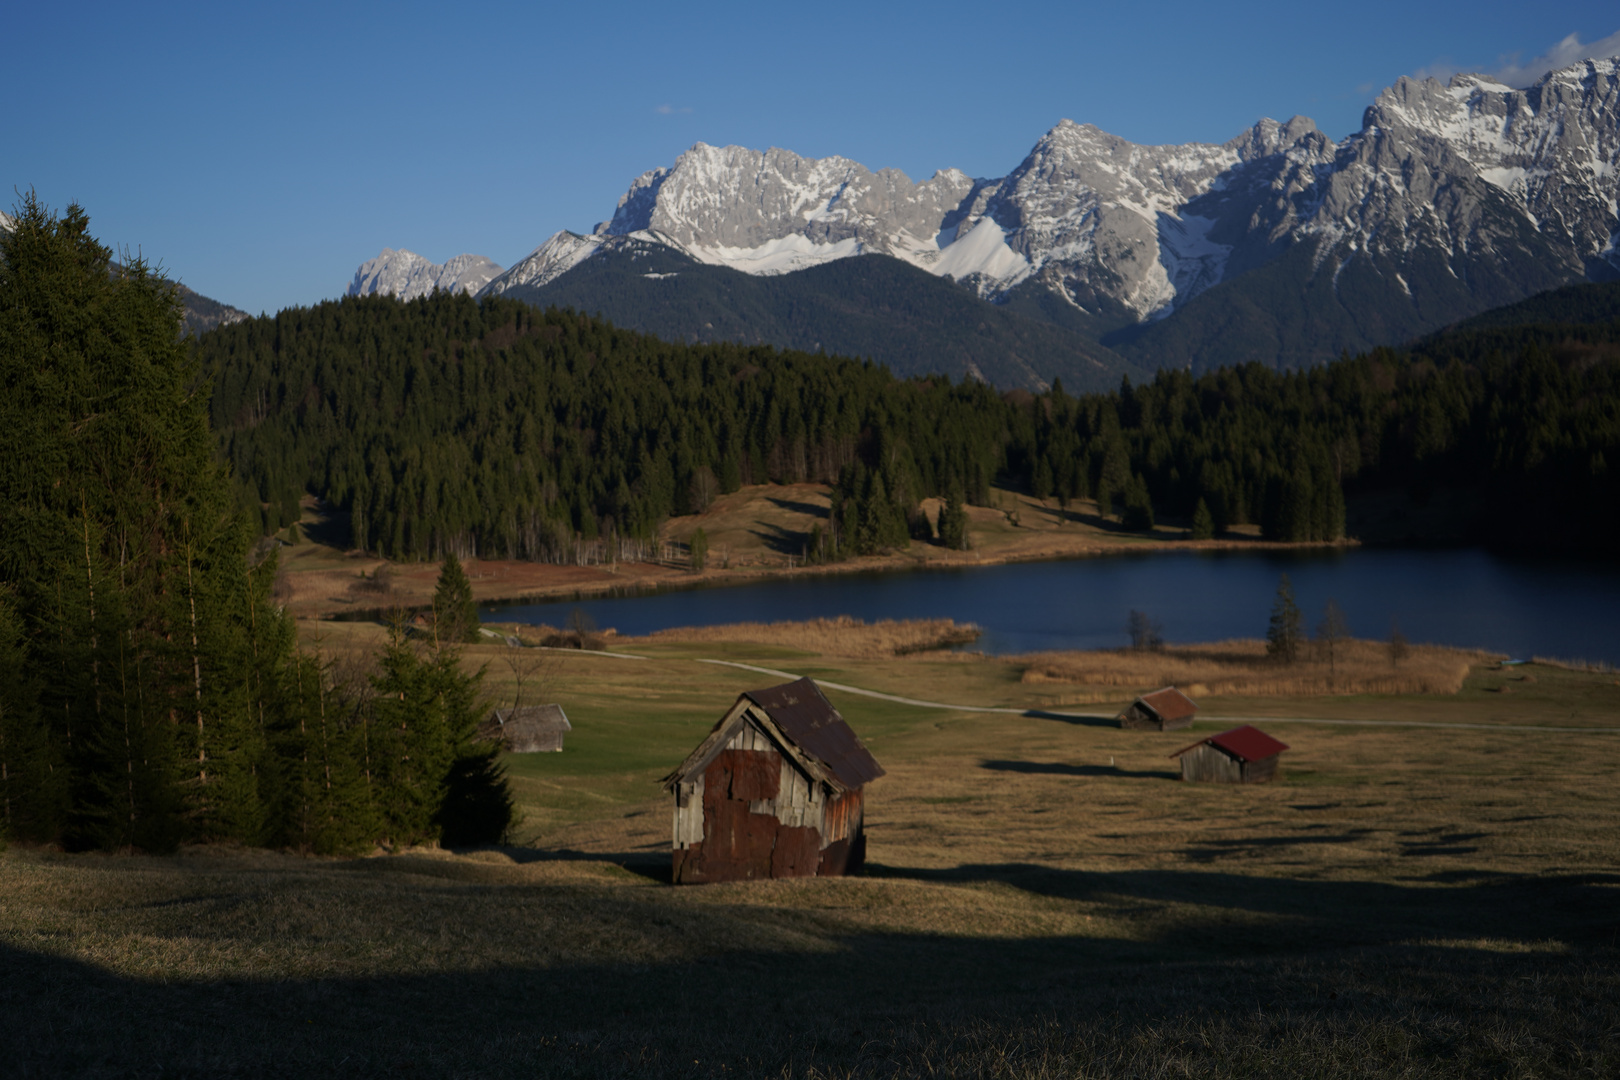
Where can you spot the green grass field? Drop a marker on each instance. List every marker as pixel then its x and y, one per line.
pixel 1043 899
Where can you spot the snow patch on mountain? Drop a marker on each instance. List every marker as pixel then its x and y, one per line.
pixel 983 251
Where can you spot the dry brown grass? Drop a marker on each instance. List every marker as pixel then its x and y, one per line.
pixel 844 636
pixel 1242 667
pixel 1043 898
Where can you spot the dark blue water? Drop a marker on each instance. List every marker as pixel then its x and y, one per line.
pixel 1465 598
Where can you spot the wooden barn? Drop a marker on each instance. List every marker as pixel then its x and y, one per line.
pixel 1244 755
pixel 1163 710
pixel 774 791
pixel 527 729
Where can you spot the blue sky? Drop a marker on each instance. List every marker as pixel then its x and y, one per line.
pixel 261 153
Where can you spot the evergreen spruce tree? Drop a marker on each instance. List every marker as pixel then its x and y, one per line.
pixel 455 612
pixel 31 803
pixel 1286 631
pixel 124 544
pixel 1138 515
pixel 953 532
pixel 436 780
pixel 699 550
pixel 1203 523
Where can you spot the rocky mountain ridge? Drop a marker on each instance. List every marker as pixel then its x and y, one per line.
pixel 1450 199
pixel 407 275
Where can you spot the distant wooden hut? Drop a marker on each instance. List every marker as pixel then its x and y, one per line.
pixel 527 729
pixel 1244 755
pixel 775 790
pixel 1163 710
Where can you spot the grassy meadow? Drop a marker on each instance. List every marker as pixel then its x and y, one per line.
pixel 1043 897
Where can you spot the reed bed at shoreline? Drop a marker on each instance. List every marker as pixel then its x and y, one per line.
pixel 843 636
pixel 1242 667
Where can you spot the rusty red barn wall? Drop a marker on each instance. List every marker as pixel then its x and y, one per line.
pixel 740 844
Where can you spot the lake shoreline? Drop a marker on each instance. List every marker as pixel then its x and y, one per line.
pixel 646 579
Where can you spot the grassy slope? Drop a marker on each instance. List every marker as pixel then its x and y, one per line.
pixel 1043 900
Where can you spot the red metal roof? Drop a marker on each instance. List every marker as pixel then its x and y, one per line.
pixel 1245 743
pixel 1169 703
pixel 806 716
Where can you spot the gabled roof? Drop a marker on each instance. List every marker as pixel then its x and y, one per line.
pixel 1244 743
pixel 805 715
pixel 1169 703
pixel 804 724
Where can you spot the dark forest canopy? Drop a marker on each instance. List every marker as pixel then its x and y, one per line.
pixel 492 428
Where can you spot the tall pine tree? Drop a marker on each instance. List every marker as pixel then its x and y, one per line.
pixel 122 546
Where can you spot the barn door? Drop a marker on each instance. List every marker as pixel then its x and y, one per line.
pixel 737 844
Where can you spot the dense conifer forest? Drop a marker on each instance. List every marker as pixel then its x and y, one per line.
pixel 150 692
pixel 496 429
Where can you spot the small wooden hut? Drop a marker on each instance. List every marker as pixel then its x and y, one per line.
pixel 1163 710
pixel 1244 755
pixel 775 790
pixel 527 729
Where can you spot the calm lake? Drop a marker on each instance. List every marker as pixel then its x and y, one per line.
pixel 1466 598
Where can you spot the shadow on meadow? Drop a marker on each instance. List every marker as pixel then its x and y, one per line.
pixel 1217 974
pixel 1060 768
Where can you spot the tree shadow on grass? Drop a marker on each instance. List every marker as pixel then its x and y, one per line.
pixel 1329 961
pixel 1078 719
pixel 810 509
pixel 1058 768
pixel 654 865
pixel 780 540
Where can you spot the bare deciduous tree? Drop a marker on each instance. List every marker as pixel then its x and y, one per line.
pixel 1144 632
pixel 1331 634
pixel 532 669
pixel 705 488
pixel 1398 649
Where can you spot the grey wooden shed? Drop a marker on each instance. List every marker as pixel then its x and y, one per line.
pixel 527 729
pixel 1243 755
pixel 1167 709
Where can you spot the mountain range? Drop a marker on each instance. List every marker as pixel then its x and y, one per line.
pixel 1096 256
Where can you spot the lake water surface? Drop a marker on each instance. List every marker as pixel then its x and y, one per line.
pixel 1465 598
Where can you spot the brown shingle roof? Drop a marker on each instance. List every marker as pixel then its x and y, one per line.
pixel 805 715
pixel 1169 703
pixel 808 726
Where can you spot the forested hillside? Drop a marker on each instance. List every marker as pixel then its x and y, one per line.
pixel 449 424
pixel 874 306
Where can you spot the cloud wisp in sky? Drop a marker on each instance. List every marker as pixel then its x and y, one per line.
pixel 672 110
pixel 1510 71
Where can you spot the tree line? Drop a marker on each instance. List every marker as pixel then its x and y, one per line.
pixel 151 693
pixel 492 428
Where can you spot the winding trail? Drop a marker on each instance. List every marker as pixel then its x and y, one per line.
pixel 1095 718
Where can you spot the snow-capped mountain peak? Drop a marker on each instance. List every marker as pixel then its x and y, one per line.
pixel 1451 194
pixel 407 275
